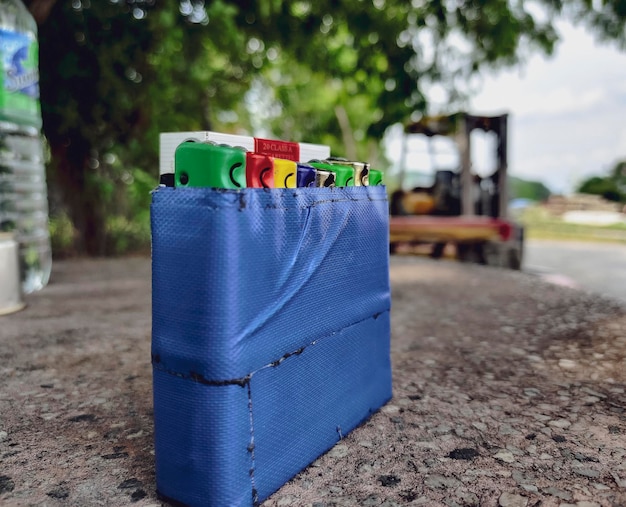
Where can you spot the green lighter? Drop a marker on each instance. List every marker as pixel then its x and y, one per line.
pixel 344 175
pixel 209 165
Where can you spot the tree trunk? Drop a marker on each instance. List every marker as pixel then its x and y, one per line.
pixel 346 132
pixel 69 174
pixel 40 9
pixel 84 206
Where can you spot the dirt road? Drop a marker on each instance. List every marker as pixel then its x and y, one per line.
pixel 593 266
pixel 508 391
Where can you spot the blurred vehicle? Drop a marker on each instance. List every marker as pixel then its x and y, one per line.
pixel 460 210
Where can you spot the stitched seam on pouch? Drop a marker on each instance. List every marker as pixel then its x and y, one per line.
pixel 245 381
pixel 255 493
pixel 316 203
pixel 278 206
pixel 241 203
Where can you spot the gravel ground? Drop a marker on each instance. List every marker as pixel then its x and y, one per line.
pixel 508 391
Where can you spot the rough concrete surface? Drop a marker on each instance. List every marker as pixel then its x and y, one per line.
pixel 508 391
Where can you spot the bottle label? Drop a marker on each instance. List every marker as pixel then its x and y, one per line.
pixel 19 92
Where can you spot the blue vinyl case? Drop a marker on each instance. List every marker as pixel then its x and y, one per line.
pixel 271 333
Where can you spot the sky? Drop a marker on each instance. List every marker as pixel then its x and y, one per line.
pixel 567 113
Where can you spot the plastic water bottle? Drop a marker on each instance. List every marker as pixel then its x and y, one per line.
pixel 23 189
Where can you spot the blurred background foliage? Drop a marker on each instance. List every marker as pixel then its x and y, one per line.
pixel 531 190
pixel 116 73
pixel 611 187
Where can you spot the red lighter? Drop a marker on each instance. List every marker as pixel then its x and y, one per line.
pixel 259 170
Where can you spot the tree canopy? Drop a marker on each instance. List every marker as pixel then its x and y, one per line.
pixel 115 73
pixel 612 187
pixel 524 189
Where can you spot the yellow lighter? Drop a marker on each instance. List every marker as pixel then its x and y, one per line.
pixel 285 172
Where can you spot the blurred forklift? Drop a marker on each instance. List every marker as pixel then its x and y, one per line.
pixel 461 212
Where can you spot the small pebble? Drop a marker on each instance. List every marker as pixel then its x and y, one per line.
pixel 506 456
pixel 390 409
pixel 567 364
pixel 530 488
pixel 512 500
pixel 441 482
pixel 559 493
pixel 560 423
pixel 339 451
pixel 587 472
pixel 480 426
pixel 600 487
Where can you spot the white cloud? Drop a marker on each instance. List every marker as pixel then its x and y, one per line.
pixel 562 100
pixel 567 113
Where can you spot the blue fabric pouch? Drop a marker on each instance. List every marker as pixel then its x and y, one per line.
pixel 271 328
